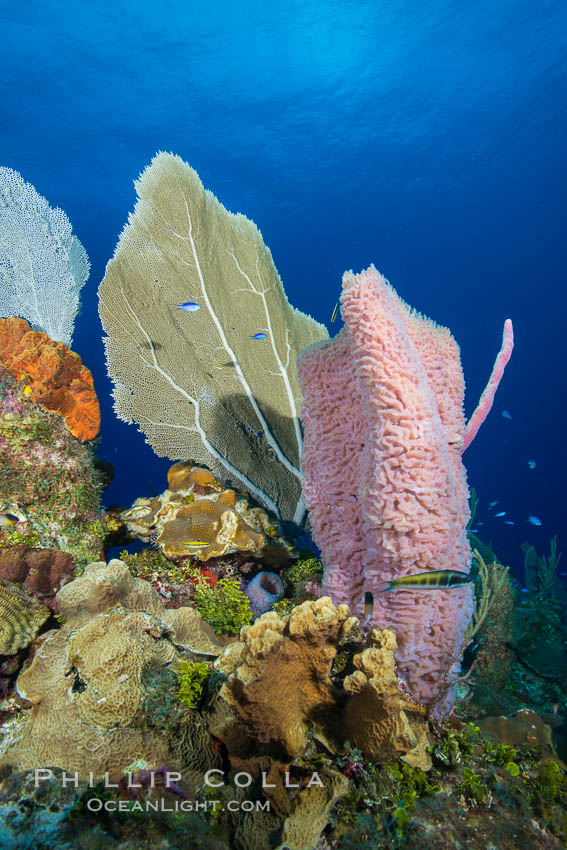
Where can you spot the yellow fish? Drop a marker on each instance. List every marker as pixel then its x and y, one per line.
pixel 27 390
pixel 195 544
pixel 432 580
pixel 8 519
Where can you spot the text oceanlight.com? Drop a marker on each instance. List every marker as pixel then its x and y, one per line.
pixel 212 778
pixel 94 804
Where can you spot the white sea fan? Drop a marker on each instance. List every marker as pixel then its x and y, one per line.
pixel 42 265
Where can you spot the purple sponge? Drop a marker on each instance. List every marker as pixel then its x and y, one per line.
pixel 263 591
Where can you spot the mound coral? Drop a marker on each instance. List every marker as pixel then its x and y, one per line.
pixel 89 682
pixel 21 617
pixel 384 400
pixel 42 572
pixel 56 376
pixel 197 517
pixel 103 586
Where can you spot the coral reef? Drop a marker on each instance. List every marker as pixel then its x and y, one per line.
pixel 224 606
pixel 380 720
pixel 523 729
pixel 477 794
pixel 103 586
pixel 390 382
pixel 279 686
pixel 197 517
pixel 232 401
pixel 21 617
pixel 88 683
pixel 32 814
pixel 58 381
pixel 42 572
pixel 48 477
pixel 278 673
pixel 312 811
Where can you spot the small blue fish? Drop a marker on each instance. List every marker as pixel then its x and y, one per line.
pixel 509 522
pixel 472 530
pixel 189 306
pixel 502 513
pixel 531 464
pixel 506 415
pixel 258 336
pixel 491 504
pixel 524 590
pixel 534 520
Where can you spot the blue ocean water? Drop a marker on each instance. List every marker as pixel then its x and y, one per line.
pixel 427 138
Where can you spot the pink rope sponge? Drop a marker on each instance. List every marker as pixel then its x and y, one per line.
pixel 383 476
pixel 487 398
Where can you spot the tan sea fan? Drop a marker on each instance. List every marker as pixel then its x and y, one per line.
pixel 215 382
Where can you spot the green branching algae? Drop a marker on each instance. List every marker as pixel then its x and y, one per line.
pixel 191 676
pixel 225 607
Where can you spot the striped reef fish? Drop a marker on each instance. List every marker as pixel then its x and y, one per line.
pixel 432 580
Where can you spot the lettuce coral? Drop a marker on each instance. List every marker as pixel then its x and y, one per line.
pixel 199 518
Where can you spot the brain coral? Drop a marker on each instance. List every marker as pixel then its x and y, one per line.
pixel 88 682
pixel 59 382
pixel 21 617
